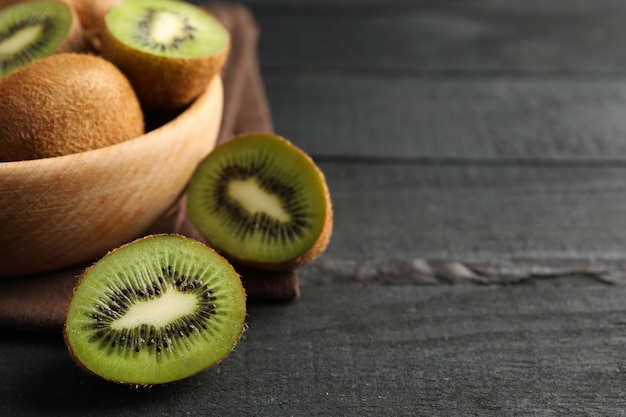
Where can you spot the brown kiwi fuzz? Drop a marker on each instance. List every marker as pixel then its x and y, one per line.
pixel 155 310
pixel 263 202
pixel 31 30
pixel 63 104
pixel 170 50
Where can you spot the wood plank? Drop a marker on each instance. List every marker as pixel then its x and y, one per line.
pixel 554 119
pixel 372 350
pixel 475 212
pixel 360 6
pixel 452 38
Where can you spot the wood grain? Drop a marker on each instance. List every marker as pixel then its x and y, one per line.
pixel 369 350
pixel 453 38
pixel 476 211
pixel 463 119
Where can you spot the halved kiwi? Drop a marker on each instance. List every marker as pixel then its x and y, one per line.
pixel 170 50
pixel 35 29
pixel 261 201
pixel 156 310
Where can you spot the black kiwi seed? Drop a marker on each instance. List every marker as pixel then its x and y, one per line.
pixel 117 307
pixel 144 35
pixel 244 224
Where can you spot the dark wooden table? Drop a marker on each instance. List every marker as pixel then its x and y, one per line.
pixel 476 155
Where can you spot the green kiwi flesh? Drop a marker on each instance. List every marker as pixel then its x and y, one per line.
pixel 156 310
pixel 32 30
pixel 261 201
pixel 167 28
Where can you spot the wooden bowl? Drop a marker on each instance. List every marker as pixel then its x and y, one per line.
pixel 62 211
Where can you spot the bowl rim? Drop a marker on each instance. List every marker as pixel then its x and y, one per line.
pixel 53 190
pixel 42 163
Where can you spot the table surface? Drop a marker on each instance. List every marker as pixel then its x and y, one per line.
pixel 476 157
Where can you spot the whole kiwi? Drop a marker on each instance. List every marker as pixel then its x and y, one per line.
pixel 64 104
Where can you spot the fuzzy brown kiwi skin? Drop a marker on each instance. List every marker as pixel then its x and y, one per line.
pixel 80 280
pixel 83 102
pixel 317 248
pixel 76 39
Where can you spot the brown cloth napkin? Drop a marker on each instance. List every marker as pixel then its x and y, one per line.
pixel 38 302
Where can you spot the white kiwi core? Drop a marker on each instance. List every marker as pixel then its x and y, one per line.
pixel 158 312
pixel 167 27
pixel 254 199
pixel 20 40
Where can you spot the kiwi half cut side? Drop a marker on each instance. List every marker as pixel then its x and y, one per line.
pixel 170 50
pixel 36 29
pixel 156 310
pixel 261 201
